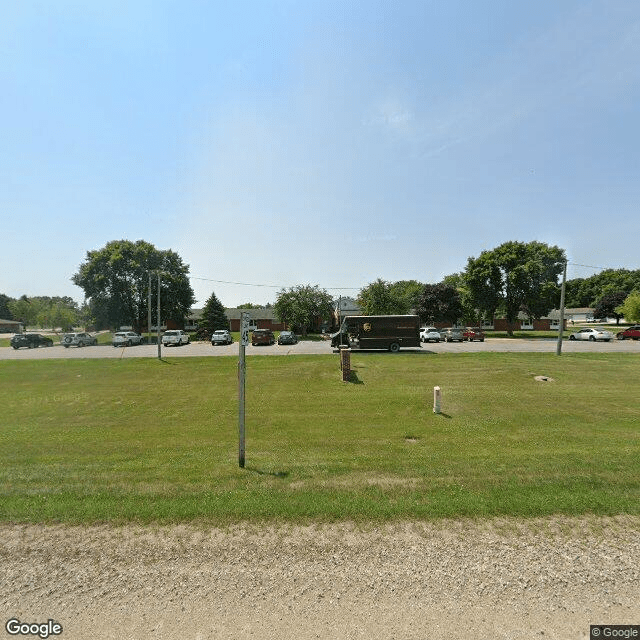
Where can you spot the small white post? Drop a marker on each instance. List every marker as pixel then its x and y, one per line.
pixel 437 399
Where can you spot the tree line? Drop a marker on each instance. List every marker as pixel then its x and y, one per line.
pixel 514 278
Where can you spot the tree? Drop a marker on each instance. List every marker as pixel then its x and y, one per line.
pixel 586 292
pixel 300 306
pixel 630 308
pixel 406 293
pixel 5 312
pixel 607 305
pixel 213 317
pixel 115 280
pixel 439 303
pixel 381 298
pixel 514 277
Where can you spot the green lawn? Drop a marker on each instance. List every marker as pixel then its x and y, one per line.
pixel 156 441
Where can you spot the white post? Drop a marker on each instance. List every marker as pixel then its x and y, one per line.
pixel 437 399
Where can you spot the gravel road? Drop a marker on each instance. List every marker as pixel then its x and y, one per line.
pixel 493 579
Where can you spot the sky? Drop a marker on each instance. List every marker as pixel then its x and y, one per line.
pixel 275 143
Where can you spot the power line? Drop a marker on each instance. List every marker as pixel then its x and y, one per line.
pixel 272 286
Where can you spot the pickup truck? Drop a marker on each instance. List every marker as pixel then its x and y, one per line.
pixel 175 337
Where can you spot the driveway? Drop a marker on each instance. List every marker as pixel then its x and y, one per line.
pixel 316 347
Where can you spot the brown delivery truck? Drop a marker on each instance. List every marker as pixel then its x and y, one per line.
pixel 378 332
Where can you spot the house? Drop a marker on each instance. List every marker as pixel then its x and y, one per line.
pixel 11 326
pixel 576 315
pixel 526 323
pixel 259 318
pixel 344 307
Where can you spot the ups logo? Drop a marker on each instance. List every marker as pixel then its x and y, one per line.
pixel 367 326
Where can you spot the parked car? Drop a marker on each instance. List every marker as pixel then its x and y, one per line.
pixel 221 336
pixel 262 336
pixel 451 334
pixel 287 337
pixel 591 334
pixel 30 340
pixel 632 333
pixel 126 339
pixel 473 333
pixel 175 337
pixel 429 334
pixel 78 340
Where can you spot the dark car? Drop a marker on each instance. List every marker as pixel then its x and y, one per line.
pixel 287 337
pixel 262 336
pixel 630 333
pixel 30 340
pixel 473 333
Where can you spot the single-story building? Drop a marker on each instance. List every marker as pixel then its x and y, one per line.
pixel 11 326
pixel 344 307
pixel 259 318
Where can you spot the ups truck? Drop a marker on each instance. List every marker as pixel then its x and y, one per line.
pixel 378 332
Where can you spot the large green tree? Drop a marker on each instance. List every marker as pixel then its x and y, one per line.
pixel 606 307
pixel 514 277
pixel 381 298
pixel 5 312
pixel 300 306
pixel 586 292
pixel 115 280
pixel 439 303
pixel 630 308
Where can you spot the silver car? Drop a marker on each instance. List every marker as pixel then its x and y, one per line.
pixel 78 340
pixel 592 334
pixel 451 334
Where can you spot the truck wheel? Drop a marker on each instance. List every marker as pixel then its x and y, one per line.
pixel 394 347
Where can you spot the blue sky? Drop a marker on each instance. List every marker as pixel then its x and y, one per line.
pixel 282 142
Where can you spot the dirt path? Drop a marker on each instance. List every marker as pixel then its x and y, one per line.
pixel 497 579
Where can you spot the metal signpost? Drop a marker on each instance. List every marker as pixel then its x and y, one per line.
pixel 561 327
pixel 158 321
pixel 242 370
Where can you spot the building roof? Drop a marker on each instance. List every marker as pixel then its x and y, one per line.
pixel 260 313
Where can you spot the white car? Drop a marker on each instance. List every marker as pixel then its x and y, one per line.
pixel 428 334
pixel 221 336
pixel 175 337
pixel 591 334
pixel 126 339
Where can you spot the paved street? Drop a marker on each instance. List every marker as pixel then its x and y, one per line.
pixel 312 347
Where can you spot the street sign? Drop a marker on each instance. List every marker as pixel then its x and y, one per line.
pixel 244 329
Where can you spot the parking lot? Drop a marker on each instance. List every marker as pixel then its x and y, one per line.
pixel 315 347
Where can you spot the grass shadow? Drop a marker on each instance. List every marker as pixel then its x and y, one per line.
pixel 262 472
pixel 353 378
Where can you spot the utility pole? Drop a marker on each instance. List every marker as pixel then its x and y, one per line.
pixel 561 327
pixel 158 321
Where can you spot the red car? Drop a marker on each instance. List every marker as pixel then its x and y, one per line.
pixel 632 333
pixel 471 334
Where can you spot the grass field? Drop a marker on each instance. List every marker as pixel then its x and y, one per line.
pixel 156 441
